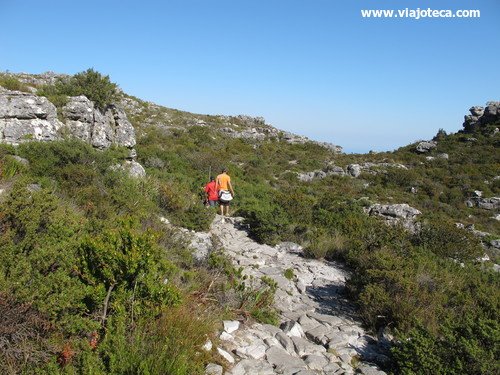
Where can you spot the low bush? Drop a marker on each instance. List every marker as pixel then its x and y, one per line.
pixel 446 240
pixel 268 224
pixel 12 83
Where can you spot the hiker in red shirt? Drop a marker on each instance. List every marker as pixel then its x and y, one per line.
pixel 212 193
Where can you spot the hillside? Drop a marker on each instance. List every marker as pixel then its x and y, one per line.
pixel 111 264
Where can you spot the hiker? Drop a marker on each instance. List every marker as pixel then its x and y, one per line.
pixel 211 193
pixel 225 189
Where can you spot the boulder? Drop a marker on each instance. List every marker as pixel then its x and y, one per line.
pixel 334 170
pixel 330 170
pixel 292 329
pixel 396 211
pixel 425 146
pixel 477 111
pixel 354 170
pixel 395 214
pixel 131 167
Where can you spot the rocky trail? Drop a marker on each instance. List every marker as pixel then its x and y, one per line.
pixel 319 332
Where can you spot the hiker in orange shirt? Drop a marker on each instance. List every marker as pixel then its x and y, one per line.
pixel 225 189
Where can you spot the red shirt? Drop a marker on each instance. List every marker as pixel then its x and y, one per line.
pixel 212 191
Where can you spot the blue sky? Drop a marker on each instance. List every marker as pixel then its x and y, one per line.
pixel 314 67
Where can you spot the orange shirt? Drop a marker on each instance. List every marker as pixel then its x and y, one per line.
pixel 223 181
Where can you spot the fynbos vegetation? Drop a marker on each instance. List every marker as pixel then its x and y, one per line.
pixel 91 281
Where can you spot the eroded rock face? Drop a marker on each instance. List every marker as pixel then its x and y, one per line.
pixel 25 117
pixel 100 129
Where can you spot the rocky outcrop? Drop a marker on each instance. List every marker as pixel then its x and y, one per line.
pixel 318 332
pixel 443 156
pixel 101 129
pixel 331 170
pixel 255 128
pixel 47 78
pixel 28 117
pixel 25 117
pixel 353 170
pixel 480 117
pixel 492 203
pixel 396 214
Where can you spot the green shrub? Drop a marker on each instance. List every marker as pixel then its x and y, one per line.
pixel 12 83
pixel 38 256
pixel 129 262
pixel 92 84
pixel 289 274
pixel 446 240
pixel 168 344
pixel 267 224
pixel 196 217
pixel 466 345
pixel 9 167
pixel 325 245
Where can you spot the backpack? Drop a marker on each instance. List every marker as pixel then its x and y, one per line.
pixel 225 196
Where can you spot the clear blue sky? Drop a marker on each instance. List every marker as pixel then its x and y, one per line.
pixel 314 67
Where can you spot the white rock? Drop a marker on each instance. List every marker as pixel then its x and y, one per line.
pixel 256 351
pixel 231 325
pixel 293 329
pixel 214 369
pixel 228 357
